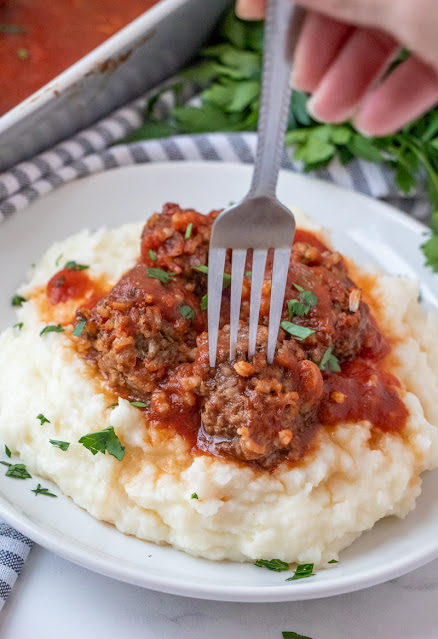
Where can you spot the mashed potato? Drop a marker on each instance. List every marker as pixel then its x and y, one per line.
pixel 307 513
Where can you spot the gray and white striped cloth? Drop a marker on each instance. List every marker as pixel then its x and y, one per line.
pixel 90 151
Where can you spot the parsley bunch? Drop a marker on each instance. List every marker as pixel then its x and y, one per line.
pixel 229 74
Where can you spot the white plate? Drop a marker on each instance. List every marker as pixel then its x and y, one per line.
pixel 363 228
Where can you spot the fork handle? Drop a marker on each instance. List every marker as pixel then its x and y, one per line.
pixel 283 22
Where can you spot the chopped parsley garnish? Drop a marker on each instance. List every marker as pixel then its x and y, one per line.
pixel 58 259
pixel 113 405
pixel 7 451
pixel 187 311
pixel 43 491
pixel 17 300
pixel 331 360
pixel 188 231
pixel 77 331
pixel 161 275
pixel 272 564
pixel 307 296
pixel 104 440
pixel 22 53
pixel 74 266
pixel 152 255
pixel 11 29
pixel 202 268
pixel 333 561
pixel 19 325
pixel 52 328
pixel 204 303
pixel 59 444
pixel 299 332
pixel 248 273
pixel 295 307
pixel 302 571
pixel 43 419
pixel 18 471
pixel 194 496
pixel 293 635
pixel 139 404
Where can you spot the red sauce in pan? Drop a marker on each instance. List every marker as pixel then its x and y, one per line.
pixel 48 36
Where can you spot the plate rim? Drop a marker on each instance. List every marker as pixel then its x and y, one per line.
pixel 82 555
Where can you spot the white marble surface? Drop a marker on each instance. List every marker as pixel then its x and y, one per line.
pixel 55 599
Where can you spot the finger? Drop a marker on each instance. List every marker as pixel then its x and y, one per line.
pixel 362 60
pixel 320 41
pixel 251 9
pixel 359 12
pixel 407 93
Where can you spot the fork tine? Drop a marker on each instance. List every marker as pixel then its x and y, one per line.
pixel 278 285
pixel 258 273
pixel 237 269
pixel 216 263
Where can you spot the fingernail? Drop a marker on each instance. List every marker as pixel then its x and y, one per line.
pixel 312 110
pixel 244 9
pixel 361 130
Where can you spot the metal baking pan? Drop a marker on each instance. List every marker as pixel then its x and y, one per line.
pixel 135 59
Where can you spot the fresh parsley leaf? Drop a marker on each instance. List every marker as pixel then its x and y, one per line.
pixel 307 296
pixel 74 266
pixel 43 420
pixel 202 268
pixel 295 307
pixel 22 53
pixel 52 328
pixel 19 325
pixel 17 471
pixel 17 300
pixel 430 250
pixel 104 440
pixel 273 564
pixel 77 331
pixel 194 496
pixel 7 451
pixel 293 635
pixel 187 311
pixel 152 255
pixel 204 302
pixel 302 571
pixel 188 233
pixel 159 274
pixel 333 561
pixel 299 332
pixel 331 360
pixel 11 29
pixel 139 404
pixel 43 491
pixel 59 444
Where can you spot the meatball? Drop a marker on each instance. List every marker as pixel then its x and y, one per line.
pixel 253 411
pixel 178 240
pixel 340 319
pixel 141 329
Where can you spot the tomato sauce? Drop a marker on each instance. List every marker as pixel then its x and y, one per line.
pixel 70 284
pixel 41 38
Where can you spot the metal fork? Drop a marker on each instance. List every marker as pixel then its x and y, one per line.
pixel 259 221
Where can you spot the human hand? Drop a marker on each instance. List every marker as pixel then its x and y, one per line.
pixel 344 51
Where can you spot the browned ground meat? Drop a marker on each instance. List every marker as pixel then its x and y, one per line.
pixel 138 331
pixel 148 339
pixel 252 410
pixel 165 235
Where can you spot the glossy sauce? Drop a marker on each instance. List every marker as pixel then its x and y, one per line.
pixel 54 34
pixel 69 284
